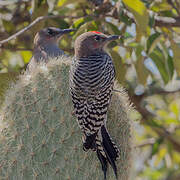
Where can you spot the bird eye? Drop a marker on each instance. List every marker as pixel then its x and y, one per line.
pixel 97 38
pixel 50 32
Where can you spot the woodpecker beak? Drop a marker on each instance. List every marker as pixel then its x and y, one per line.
pixel 61 32
pixel 112 38
pixel 64 31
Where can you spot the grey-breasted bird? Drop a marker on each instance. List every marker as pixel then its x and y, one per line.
pixel 46 45
pixel 92 78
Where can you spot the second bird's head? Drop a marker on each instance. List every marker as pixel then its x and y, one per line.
pixel 50 35
pixel 92 43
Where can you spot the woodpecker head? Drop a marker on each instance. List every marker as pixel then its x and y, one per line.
pixel 91 43
pixel 50 35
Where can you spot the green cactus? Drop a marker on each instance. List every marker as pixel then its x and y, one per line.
pixel 39 135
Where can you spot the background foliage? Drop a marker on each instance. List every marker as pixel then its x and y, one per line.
pixel 147 60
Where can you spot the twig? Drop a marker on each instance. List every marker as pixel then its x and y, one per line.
pixel 167 22
pixel 148 142
pixel 160 92
pixel 155 92
pixel 172 4
pixel 23 30
pixel 35 22
pixel 147 118
pixel 16 49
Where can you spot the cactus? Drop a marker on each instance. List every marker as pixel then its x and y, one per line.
pixel 39 135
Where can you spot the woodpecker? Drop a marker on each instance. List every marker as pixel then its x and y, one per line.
pixel 46 45
pixel 92 77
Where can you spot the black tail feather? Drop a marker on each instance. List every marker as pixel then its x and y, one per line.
pixel 103 161
pixel 112 163
pixel 107 153
pixel 110 149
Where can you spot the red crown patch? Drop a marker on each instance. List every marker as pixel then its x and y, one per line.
pixel 96 32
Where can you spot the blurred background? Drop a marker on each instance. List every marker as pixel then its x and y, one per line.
pixel 146 58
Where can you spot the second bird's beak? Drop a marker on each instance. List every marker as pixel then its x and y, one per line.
pixel 64 31
pixel 61 32
pixel 112 38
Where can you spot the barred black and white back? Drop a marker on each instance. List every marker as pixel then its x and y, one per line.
pixel 91 84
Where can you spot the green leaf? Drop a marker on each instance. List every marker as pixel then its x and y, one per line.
pixel 176 52
pixel 40 2
pixel 174 107
pixel 162 5
pixel 151 21
pixel 62 2
pixel 153 173
pixel 162 152
pixel 156 145
pixel 159 60
pixel 79 22
pixel 57 22
pixel 66 2
pixel 133 44
pixel 152 41
pixel 168 59
pixel 127 35
pixel 9 26
pixel 26 55
pixel 139 50
pixel 63 10
pixel 168 13
pixel 170 66
pixel 140 13
pixel 124 18
pixel 89 26
pixel 113 29
pixel 142 72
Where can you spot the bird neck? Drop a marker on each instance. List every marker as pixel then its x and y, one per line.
pixel 47 47
pixel 48 50
pixel 87 52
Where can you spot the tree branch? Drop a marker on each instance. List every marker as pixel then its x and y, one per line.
pixel 157 91
pixel 159 20
pixel 147 118
pixel 16 48
pixel 167 21
pixel 35 22
pixel 148 142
